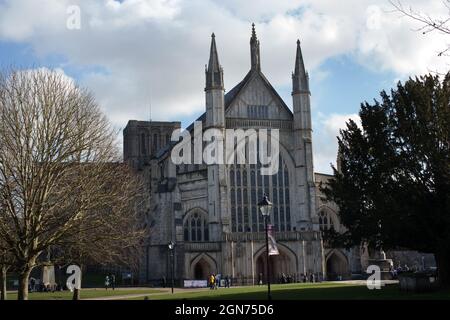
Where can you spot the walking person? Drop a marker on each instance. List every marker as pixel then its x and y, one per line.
pixel 113 281
pixel 217 281
pixel 32 285
pixel 212 281
pixel 106 282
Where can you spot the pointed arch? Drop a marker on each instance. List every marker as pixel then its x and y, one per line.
pixel 202 264
pixel 284 263
pixel 337 265
pixel 248 185
pixel 328 218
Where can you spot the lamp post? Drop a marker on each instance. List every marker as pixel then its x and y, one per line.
pixel 171 246
pixel 265 206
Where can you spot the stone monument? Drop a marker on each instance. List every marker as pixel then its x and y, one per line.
pixel 48 275
pixel 385 265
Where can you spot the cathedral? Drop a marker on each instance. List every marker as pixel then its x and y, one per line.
pixel 210 211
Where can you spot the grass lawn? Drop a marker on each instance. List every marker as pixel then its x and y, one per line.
pixel 295 291
pixel 308 291
pixel 85 294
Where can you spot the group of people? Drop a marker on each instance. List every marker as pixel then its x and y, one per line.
pixel 39 286
pixel 214 281
pixel 396 271
pixel 312 277
pixel 283 278
pixel 110 281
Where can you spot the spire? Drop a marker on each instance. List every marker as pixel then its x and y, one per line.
pixel 300 78
pixel 254 50
pixel 253 32
pixel 214 72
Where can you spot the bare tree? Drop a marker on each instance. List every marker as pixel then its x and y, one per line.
pixel 6 262
pixel 429 23
pixel 61 184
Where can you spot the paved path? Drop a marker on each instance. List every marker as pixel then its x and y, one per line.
pixel 179 290
pixel 362 282
pixel 142 295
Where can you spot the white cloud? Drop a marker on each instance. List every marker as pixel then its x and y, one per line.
pixel 326 131
pixel 392 42
pixel 156 49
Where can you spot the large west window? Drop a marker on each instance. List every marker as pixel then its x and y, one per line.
pixel 247 187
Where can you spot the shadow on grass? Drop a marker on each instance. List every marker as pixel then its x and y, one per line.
pixel 85 294
pixel 347 292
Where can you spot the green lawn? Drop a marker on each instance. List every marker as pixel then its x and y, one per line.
pixel 308 291
pixel 85 294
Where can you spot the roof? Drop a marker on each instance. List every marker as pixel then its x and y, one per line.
pixel 233 93
pixel 230 96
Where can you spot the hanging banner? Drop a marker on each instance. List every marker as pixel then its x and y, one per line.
pixel 273 250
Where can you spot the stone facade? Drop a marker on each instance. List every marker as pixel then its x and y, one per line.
pixel 210 211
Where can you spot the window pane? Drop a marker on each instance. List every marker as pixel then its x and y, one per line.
pixel 288 217
pixel 206 234
pixel 240 222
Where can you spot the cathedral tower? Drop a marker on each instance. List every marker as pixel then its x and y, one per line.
pixel 303 143
pixel 215 119
pixel 214 89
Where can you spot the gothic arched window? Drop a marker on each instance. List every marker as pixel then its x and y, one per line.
pixel 325 221
pixel 196 227
pixel 245 214
pixel 143 144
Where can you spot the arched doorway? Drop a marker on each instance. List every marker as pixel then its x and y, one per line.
pixel 202 268
pixel 337 266
pixel 198 272
pixel 279 265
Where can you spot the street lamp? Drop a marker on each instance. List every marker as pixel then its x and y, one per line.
pixel 171 246
pixel 265 206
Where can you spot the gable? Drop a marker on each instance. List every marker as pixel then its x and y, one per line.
pixel 255 98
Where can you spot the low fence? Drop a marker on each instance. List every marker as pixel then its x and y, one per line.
pixel 417 282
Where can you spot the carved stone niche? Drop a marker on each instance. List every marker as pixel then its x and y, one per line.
pixel 238 249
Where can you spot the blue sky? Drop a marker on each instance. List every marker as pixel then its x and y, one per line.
pixel 136 53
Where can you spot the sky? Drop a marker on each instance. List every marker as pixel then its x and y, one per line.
pixel 146 58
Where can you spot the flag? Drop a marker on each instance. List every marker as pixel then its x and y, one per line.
pixel 273 250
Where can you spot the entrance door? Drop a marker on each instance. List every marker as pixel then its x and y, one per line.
pixel 279 265
pixel 202 270
pixel 336 266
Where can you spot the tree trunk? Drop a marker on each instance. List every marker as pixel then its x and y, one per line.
pixel 76 294
pixel 23 284
pixel 443 265
pixel 3 283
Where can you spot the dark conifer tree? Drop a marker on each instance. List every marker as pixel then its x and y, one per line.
pixel 395 172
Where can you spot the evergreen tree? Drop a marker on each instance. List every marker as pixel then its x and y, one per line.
pixel 393 186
